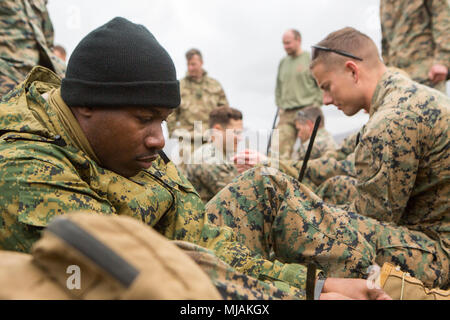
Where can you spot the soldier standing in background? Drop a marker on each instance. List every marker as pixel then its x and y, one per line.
pixel 26 40
pixel 295 89
pixel 200 94
pixel 416 38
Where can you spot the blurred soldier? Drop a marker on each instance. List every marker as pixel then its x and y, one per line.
pixel 26 40
pixel 304 122
pixel 295 89
pixel 60 52
pixel 416 38
pixel 200 94
pixel 212 167
pixel 93 141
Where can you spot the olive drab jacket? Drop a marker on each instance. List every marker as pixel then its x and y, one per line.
pixel 43 175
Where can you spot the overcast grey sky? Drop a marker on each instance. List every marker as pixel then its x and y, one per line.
pixel 240 40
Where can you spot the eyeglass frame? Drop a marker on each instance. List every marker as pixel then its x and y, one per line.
pixel 339 52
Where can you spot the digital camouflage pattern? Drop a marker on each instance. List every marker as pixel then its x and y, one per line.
pixel 323 142
pixel 402 191
pixel 210 171
pixel 198 99
pixel 338 190
pixel 43 175
pixel 347 147
pixel 285 217
pixel 415 36
pixel 26 40
pixel 402 159
pixel 234 285
pixel 321 169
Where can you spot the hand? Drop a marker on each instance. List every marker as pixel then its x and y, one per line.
pixel 438 73
pixel 247 159
pixel 351 289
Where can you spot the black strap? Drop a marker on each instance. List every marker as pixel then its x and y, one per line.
pixel 164 157
pixel 310 281
pixel 96 251
pixel 269 143
pixel 308 151
pixel 357 138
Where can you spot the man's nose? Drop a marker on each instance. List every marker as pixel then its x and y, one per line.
pixel 327 99
pixel 155 140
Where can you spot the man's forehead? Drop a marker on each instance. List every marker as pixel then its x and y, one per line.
pixel 234 124
pixel 319 72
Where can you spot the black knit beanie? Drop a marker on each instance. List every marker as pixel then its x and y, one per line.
pixel 120 64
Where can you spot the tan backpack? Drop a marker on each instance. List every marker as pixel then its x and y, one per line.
pixel 69 262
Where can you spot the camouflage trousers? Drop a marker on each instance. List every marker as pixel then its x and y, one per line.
pixel 338 190
pixel 270 211
pixel 233 285
pixel 287 133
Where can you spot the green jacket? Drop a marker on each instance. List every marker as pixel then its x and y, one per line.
pixel 43 175
pixel 295 85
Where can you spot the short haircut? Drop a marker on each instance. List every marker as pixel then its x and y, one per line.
pixel 349 40
pixel 60 49
pixel 192 52
pixel 310 114
pixel 222 115
pixel 296 33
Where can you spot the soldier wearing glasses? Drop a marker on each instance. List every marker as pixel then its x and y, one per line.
pixel 402 154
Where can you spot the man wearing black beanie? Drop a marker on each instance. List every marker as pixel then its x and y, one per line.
pixel 93 143
pixel 120 64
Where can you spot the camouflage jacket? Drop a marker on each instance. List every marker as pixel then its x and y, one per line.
pixel 43 174
pixel 198 99
pixel 322 143
pixel 402 159
pixel 415 35
pixel 210 171
pixel 26 40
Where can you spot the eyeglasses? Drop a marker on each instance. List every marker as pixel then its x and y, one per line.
pixel 315 49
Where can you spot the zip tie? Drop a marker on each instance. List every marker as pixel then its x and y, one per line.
pixel 403 286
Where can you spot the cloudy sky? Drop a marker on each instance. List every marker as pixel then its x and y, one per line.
pixel 240 40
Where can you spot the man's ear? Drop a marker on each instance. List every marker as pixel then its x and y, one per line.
pixel 217 127
pixel 310 126
pixel 352 67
